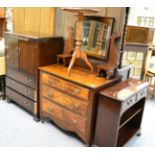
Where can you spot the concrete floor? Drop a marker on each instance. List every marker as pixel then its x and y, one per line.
pixel 18 128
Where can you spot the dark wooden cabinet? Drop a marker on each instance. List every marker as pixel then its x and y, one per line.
pixel 119 112
pixel 28 51
pixel 11 50
pixel 70 101
pixel 25 52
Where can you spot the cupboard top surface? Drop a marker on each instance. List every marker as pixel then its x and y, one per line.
pixel 77 75
pixel 33 35
pixel 124 90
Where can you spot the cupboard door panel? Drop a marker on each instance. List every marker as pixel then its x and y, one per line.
pixel 11 49
pixel 28 57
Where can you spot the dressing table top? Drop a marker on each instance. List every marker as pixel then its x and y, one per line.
pixel 124 90
pixel 78 75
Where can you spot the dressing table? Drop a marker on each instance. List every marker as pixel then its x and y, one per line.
pixel 70 100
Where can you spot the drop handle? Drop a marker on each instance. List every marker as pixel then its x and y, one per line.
pixel 142 93
pixel 76 106
pixel 27 79
pixel 50 109
pixel 50 82
pixel 26 103
pixel 74 121
pixel 129 102
pixel 27 92
pixel 76 91
pixel 50 95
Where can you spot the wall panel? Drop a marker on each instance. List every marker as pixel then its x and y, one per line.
pixel 34 19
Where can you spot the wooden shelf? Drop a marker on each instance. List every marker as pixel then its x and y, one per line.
pixel 125 135
pixel 131 117
pixel 117 120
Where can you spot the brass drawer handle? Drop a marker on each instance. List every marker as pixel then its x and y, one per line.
pixel 142 93
pixel 74 121
pixel 76 106
pixel 50 109
pixel 50 95
pixel 49 82
pixel 129 102
pixel 76 91
pixel 27 79
pixel 27 92
pixel 26 103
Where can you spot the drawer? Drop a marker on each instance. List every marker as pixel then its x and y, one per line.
pixel 68 87
pixel 141 94
pixel 20 99
pixel 129 103
pixel 63 115
pixel 65 100
pixel 23 78
pixel 22 89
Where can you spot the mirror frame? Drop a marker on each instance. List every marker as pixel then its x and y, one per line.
pixel 107 20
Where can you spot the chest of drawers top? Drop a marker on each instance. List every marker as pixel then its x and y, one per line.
pixel 125 90
pixel 77 76
pixel 26 36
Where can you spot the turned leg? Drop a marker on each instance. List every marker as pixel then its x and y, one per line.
pixel 74 57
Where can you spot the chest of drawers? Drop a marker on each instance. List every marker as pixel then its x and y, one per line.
pixel 120 110
pixel 70 101
pixel 25 52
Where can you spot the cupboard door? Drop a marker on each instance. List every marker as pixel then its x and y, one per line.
pixel 11 49
pixel 28 57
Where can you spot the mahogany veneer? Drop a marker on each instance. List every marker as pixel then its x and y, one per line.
pixel 119 112
pixel 70 101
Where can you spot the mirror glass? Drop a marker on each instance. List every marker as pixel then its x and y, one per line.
pixel 96 38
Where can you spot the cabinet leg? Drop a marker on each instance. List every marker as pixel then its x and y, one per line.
pixel 3 97
pixel 42 120
pixel 36 118
pixel 139 133
pixel 8 100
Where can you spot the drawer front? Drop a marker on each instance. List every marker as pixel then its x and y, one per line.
pixel 20 99
pixel 26 91
pixel 63 115
pixel 142 94
pixel 68 87
pixel 129 103
pixel 65 100
pixel 23 78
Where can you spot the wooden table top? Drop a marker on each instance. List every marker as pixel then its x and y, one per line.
pixel 77 75
pixel 124 90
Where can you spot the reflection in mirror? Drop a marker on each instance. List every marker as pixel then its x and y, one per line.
pixel 95 37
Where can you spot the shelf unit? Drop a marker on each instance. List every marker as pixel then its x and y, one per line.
pixel 119 112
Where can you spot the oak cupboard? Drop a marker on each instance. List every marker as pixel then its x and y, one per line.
pixel 25 52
